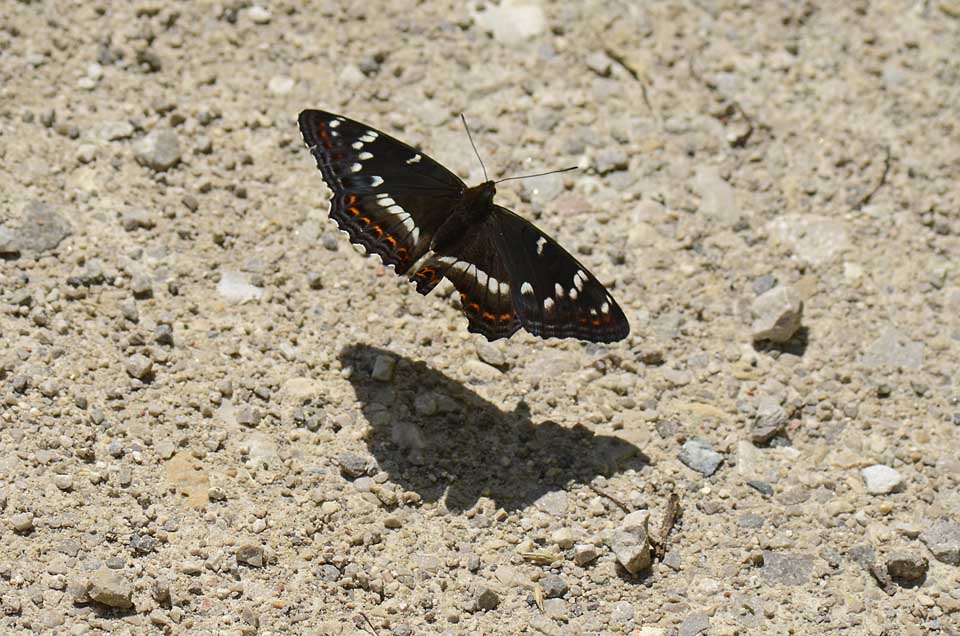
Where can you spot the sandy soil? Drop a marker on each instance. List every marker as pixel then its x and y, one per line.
pixel 192 439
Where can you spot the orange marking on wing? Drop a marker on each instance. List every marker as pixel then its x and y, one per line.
pixel 402 252
pixel 474 307
pixel 596 323
pixel 392 241
pixel 505 317
pixel 354 211
pixel 378 230
pixel 351 199
pixel 488 316
pixel 365 219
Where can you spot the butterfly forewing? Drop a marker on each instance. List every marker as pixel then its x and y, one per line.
pixel 554 295
pixel 387 196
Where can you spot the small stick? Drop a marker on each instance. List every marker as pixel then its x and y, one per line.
pixel 883 179
pixel 372 629
pixel 627 509
pixel 669 519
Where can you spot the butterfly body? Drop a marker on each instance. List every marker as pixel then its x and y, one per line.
pixel 420 218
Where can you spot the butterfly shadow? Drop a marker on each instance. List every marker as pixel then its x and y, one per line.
pixel 435 436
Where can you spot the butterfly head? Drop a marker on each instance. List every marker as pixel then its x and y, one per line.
pixel 480 197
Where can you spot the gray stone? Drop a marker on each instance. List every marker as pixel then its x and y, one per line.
pixel 251 554
pixel 881 480
pixel 894 350
pixel 761 487
pixel 771 420
pixel 553 586
pixel 750 520
pixel 511 22
pixel 22 521
pixel 942 538
pixel 600 63
pixel 116 130
pixel 697 454
pixel 352 465
pixel 906 566
pixel 623 612
pixel 139 366
pixel 383 368
pixel 110 588
pixel 489 353
pixel 259 15
pixel 235 288
pixel 485 599
pixel 328 572
pixel 786 568
pixel 159 150
pixel 694 623
pixel 630 542
pixel 584 553
pixel 814 239
pixel 764 284
pixel 777 314
pixel 40 230
pixel 717 197
pixel 136 219
pixel 554 502
pixel 611 159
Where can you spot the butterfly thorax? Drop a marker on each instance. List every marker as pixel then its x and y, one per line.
pixel 474 206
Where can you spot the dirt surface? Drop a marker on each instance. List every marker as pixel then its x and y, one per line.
pixel 216 418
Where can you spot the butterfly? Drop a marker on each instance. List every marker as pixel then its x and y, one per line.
pixel 398 203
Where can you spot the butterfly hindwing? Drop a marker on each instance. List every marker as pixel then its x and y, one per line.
pixel 387 196
pixel 553 294
pixel 480 275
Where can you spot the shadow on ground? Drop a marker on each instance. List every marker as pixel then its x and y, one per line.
pixel 435 436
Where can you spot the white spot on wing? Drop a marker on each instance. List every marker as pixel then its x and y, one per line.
pixel 605 308
pixel 363 156
pixel 370 136
pixel 492 285
pixel 386 201
pixel 548 303
pixel 526 288
pixel 375 181
pixel 578 280
pixel 482 277
pixel 334 123
pixel 559 290
pixel 573 293
pixel 540 243
pixel 504 289
pixel 356 167
pixel 357 145
pixel 382 195
pixel 415 159
pixel 593 312
pixel 447 260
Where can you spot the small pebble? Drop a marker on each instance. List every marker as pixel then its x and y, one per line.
pixel 553 586
pixel 139 366
pixel 777 315
pixel 942 538
pixel 881 480
pixel 631 544
pixel 109 587
pixel 22 521
pixel 352 465
pixel 585 553
pixel 485 599
pixel 698 455
pixel 383 368
pixel 251 554
pixel 159 150
pixel 907 566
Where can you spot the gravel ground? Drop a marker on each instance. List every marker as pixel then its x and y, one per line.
pixel 216 418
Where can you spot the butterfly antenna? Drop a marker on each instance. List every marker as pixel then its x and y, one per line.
pixel 539 174
pixel 475 151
